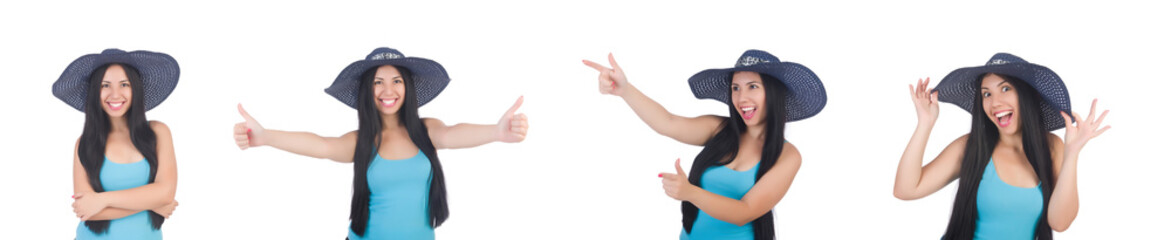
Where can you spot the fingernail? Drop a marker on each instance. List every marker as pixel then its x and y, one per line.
pixel 660 175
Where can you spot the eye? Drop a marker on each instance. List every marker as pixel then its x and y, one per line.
pixel 377 82
pixel 735 88
pixel 987 94
pixel 125 85
pixel 105 85
pixel 753 86
pixel 397 81
pixel 1004 89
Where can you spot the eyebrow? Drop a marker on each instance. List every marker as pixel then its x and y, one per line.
pixel 998 84
pixel 380 78
pixel 123 80
pixel 747 83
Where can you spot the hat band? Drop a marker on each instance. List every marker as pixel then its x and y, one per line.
pixel 750 60
pixel 385 55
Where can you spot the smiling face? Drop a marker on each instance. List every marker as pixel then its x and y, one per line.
pixel 748 97
pixel 389 88
pixel 1000 102
pixel 116 91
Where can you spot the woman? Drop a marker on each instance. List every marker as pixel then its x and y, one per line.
pixel 746 165
pixel 1017 180
pixel 123 165
pixel 399 187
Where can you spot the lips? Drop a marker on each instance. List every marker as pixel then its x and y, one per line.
pixel 116 105
pixel 748 112
pixel 388 102
pixel 1003 118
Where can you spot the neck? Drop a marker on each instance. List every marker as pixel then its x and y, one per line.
pixel 1013 141
pixel 390 121
pixel 118 124
pixel 753 133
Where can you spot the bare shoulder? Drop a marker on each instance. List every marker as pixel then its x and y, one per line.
pixel 433 123
pixel 161 129
pixel 789 155
pixel 960 141
pixel 1055 141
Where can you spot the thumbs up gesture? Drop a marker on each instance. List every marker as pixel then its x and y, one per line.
pixel 676 185
pixel 248 133
pixel 512 127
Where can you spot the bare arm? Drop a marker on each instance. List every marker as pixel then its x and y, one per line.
pixel 511 128
pixel 1063 204
pixel 694 131
pixel 251 134
pixel 763 196
pixel 913 180
pixel 157 194
pixel 81 185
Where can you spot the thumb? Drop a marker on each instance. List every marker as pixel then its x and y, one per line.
pixel 515 106
pixel 243 113
pixel 679 169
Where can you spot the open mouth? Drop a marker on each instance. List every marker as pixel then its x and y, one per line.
pixel 388 102
pixel 748 112
pixel 1003 118
pixel 116 105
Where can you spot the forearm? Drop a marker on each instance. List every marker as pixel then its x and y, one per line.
pixel 724 208
pixel 652 113
pixel 1063 204
pixel 466 135
pixel 300 143
pixel 111 213
pixel 910 169
pixel 141 198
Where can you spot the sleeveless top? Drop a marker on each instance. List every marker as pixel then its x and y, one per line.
pixel 728 183
pixel 122 176
pixel 399 192
pixel 1005 211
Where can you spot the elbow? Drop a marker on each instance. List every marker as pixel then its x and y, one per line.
pixel 903 195
pixel 1059 226
pixel 741 223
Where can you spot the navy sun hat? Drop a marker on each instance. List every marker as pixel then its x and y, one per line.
pixel 958 87
pixel 430 77
pixel 806 95
pixel 159 71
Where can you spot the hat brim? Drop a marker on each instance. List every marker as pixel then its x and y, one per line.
pixel 159 71
pixel 806 96
pixel 959 88
pixel 429 78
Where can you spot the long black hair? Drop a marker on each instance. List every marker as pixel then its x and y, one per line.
pixel 91 150
pixel 721 149
pixel 978 152
pixel 369 132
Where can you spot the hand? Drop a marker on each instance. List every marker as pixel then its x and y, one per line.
pixel 248 133
pixel 1076 135
pixel 676 185
pixel 926 102
pixel 610 81
pixel 513 127
pixel 166 210
pixel 86 205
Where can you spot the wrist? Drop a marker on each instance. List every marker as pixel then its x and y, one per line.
pixel 102 199
pixel 690 193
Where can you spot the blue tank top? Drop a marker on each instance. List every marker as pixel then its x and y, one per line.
pixel 728 183
pixel 122 176
pixel 1006 211
pixel 398 199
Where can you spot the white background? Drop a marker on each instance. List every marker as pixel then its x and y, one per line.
pixel 588 168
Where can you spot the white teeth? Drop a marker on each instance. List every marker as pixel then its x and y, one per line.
pixel 747 109
pixel 1004 113
pixel 389 101
pixel 116 104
